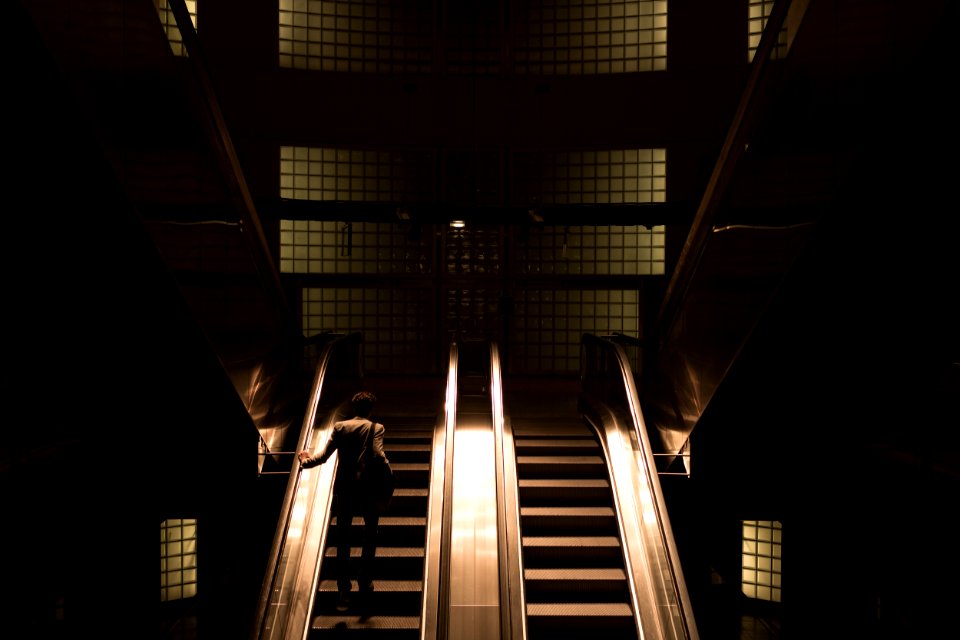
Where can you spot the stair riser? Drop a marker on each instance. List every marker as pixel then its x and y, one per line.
pixel 384 568
pixel 572 558
pixel 573 591
pixel 413 536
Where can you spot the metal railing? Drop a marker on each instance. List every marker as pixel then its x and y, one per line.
pixel 287 592
pixel 610 403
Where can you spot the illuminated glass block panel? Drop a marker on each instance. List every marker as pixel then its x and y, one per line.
pixel 178 559
pixel 758 13
pixel 357 36
pixel 356 175
pixel 611 176
pixel 169 22
pixel 760 559
pixel 547 325
pixel 330 247
pixel 582 37
pixel 393 321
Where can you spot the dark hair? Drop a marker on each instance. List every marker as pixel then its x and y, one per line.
pixel 363 402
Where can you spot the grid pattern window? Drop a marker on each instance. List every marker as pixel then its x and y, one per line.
pixel 169 23
pixel 396 337
pixel 355 175
pixel 178 559
pixel 473 250
pixel 329 247
pixel 473 313
pixel 587 250
pixel 760 560
pixel 580 37
pixel 619 176
pixel 759 12
pixel 357 36
pixel 547 325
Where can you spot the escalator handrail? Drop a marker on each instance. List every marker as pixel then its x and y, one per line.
pixel 433 617
pixel 268 590
pixel 599 407
pixel 513 608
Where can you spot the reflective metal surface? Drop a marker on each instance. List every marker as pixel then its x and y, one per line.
pixel 513 608
pixel 289 586
pixel 661 603
pixel 474 585
pixel 436 553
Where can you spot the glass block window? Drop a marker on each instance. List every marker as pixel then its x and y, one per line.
pixel 359 36
pixel 588 250
pixel 574 37
pixel 759 11
pixel 473 313
pixel 760 559
pixel 314 246
pixel 393 321
pixel 169 23
pixel 547 325
pixel 620 176
pixel 473 249
pixel 353 175
pixel 178 559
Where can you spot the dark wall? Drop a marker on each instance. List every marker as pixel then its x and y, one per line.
pixel 840 418
pixel 118 414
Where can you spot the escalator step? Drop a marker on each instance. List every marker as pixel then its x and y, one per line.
pixel 389 597
pixel 571 551
pixel 561 466
pixel 408 451
pixel 382 552
pixel 389 521
pixel 576 585
pixel 568 521
pixel 348 625
pixel 379 586
pixel 614 620
pixel 556 446
pixel 559 427
pixel 592 611
pixel 414 467
pixel 393 531
pixel 569 490
pixel 580 575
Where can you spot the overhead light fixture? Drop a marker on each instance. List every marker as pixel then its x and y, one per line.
pixel 458 224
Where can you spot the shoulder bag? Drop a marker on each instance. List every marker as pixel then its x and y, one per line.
pixel 374 475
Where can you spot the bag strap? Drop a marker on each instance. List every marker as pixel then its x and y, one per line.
pixel 368 444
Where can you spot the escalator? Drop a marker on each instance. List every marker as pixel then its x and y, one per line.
pixel 597 552
pixel 394 609
pixel 522 512
pixel 299 591
pixel 575 577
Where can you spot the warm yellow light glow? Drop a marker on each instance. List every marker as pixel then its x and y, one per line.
pixel 458 224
